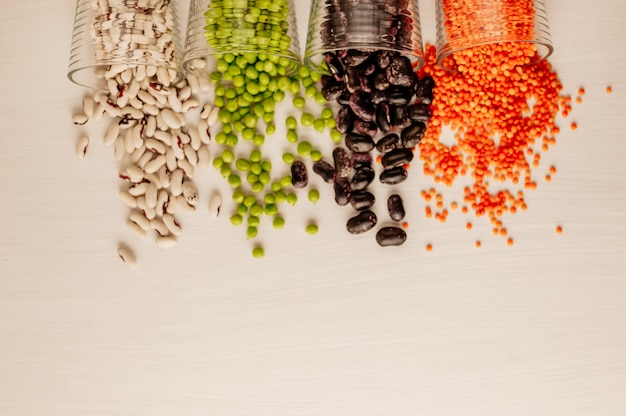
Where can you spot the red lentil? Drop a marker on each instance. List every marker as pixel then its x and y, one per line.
pixel 609 89
pixel 559 229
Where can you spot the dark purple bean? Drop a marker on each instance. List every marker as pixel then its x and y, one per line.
pixel 343 165
pixel 397 95
pixel 369 128
pixel 393 176
pixel 355 57
pixel 395 206
pixel 362 200
pixel 334 66
pixel 343 193
pixel 367 68
pixel 399 117
pixel 362 106
pixel 400 71
pixel 345 119
pixel 387 143
pixel 380 81
pixel 396 157
pixel 412 135
pixel 383 58
pixel 333 89
pixel 359 159
pixel 425 90
pixel 383 117
pixel 362 222
pixel 299 176
pixel 390 236
pixel 419 112
pixel 344 98
pixel 362 178
pixel 325 170
pixel 352 79
pixel 359 142
pixel 378 97
pixel 365 83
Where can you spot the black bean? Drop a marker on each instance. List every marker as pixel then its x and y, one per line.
pixel 365 83
pixel 400 71
pixel 362 222
pixel 396 157
pixel 343 193
pixel 362 178
pixel 399 117
pixel 368 67
pixel 343 165
pixel 395 206
pixel 412 135
pixel 355 57
pixel 333 89
pixel 380 81
pixel 378 97
pixel 345 119
pixel 362 200
pixel 394 175
pixel 383 117
pixel 424 92
pixel 344 98
pixel 369 128
pixel 390 236
pixel 362 106
pixel 299 176
pixel 396 95
pixel 334 66
pixel 325 170
pixel 419 112
pixel 359 159
pixel 359 142
pixel 383 58
pixel 352 79
pixel 387 143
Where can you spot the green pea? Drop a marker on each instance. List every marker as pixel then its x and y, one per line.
pixel 270 129
pixel 249 200
pixel 236 219
pixel 316 155
pixel 250 120
pixel 285 181
pixel 230 93
pixel 238 126
pixel 242 165
pixel 255 155
pixel 331 123
pixel 298 102
pixel 306 82
pixel 251 72
pixel 304 148
pixel 252 232
pixel 253 221
pixel 327 113
pixel 215 77
pixel 228 156
pixel 234 180
pixel 307 119
pixel 221 66
pixel 291 123
pixel 271 209
pixel 224 116
pixel 269 198
pixel 219 90
pixel 219 102
pixel 268 117
pixel 232 106
pixel 319 125
pixel 218 162
pixel 238 80
pixel 316 76
pixel 264 178
pixel 248 134
pixel 284 83
pixel 278 223
pixel 288 158
pixel 258 252
pixel 311 229
pixel 258 140
pixel 276 186
pixel 256 210
pixel 314 195
pixel 266 165
pixel 242 209
pixel 279 96
pixel 227 128
pixel 310 91
pixel 257 187
pixel 292 198
pixel 225 171
pixel 281 196
pixel 292 136
pixel 336 135
pixel 294 88
pixel 319 98
pixel 231 140
pixel 303 71
pixel 256 168
pixel 238 196
pixel 252 178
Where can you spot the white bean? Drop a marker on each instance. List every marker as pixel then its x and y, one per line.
pixel 215 205
pixel 127 256
pixel 171 224
pixel 204 157
pixel 129 141
pixel 158 225
pixel 138 218
pixel 128 199
pixel 150 127
pixel 138 189
pixel 184 92
pixel 163 136
pixel 189 104
pixel 137 139
pixel 170 160
pixel 134 228
pixel 154 179
pixel 119 149
pixel 190 192
pixel 161 204
pixel 81 146
pixel 80 118
pixel 193 82
pixel 146 97
pixel 212 119
pixel 151 109
pixel 88 105
pixel 164 177
pixel 155 146
pixel 151 195
pixel 155 164
pixel 182 204
pixel 203 131
pixel 174 102
pixel 196 141
pixel 176 182
pixel 111 134
pixel 144 159
pixel 166 241
pixel 137 154
pixel 190 154
pixel 206 110
pixel 186 167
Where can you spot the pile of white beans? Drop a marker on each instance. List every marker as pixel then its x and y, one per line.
pixel 158 149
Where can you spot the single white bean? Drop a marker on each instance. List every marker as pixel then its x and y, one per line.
pixel 186 167
pixel 154 179
pixel 144 159
pixel 164 177
pixel 194 83
pixel 134 228
pixel 111 134
pixel 212 119
pixel 158 225
pixel 80 119
pixel 204 157
pixel 170 118
pixel 135 103
pixel 203 131
pixel 128 199
pixel 174 102
pixel 184 92
pixel 88 105
pixel 155 146
pixel 155 164
pixel 171 224
pixel 81 146
pixel 196 141
pixel 150 126
pixel 163 136
pixel 119 150
pixel 138 218
pixel 170 160
pixel 176 182
pixel 137 154
pixel 127 256
pixel 152 192
pixel 190 192
pixel 206 110
pixel 129 141
pixel 151 109
pixel 134 173
pixel 162 199
pixel 166 241
pixel 137 139
pixel 215 205
pixel 138 189
pixel 190 154
pixel 146 97
pixel 189 105
pixel 182 204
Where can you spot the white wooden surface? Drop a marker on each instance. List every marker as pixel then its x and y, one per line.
pixel 327 325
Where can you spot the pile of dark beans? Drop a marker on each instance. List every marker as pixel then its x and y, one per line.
pixel 385 107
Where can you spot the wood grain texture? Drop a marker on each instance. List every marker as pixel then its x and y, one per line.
pixel 327 325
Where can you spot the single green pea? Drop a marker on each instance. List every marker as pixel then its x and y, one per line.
pixel 230 93
pixel 284 83
pixel 242 209
pixel 291 123
pixel 264 178
pixel 294 88
pixel 310 91
pixel 236 219
pixel 256 210
pixel 303 71
pixel 220 138
pixel 292 198
pixel 252 178
pixel 249 200
pixel 238 80
pixel 319 98
pixel 221 66
pixel 257 187
pixel 256 168
pixel 271 209
pixel 278 223
pixel 227 128
pixel 306 82
pixel 279 96
pixel 292 136
pixel 276 186
pixel 250 120
pixel 232 106
pixel 238 196
pixel 285 181
pixel 327 113
pixel 258 140
pixel 228 155
pixel 281 196
pixel 331 123
pixel 219 102
pixel 248 134
pixel 266 165
pixel 258 252
pixel 264 80
pixel 268 117
pixel 234 180
pixel 288 158
pixel 258 110
pixel 270 129
pixel 307 119
pixel 225 171
pixel 253 221
pixel 224 116
pixel 252 232
pixel 316 155
pixel 314 195
pixel 298 102
pixel 255 155
pixel 311 229
pixel 304 148
pixel 319 125
pixel 219 90
pixel 269 198
pixel 242 165
pixel 336 135
pixel 215 77
pixel 251 72
pixel 218 162
pixel 232 139
pixel 238 126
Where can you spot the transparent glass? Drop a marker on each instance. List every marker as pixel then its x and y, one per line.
pixel 222 27
pixel 464 24
pixel 367 25
pixel 129 32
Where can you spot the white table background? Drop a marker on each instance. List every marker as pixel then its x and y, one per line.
pixel 329 325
